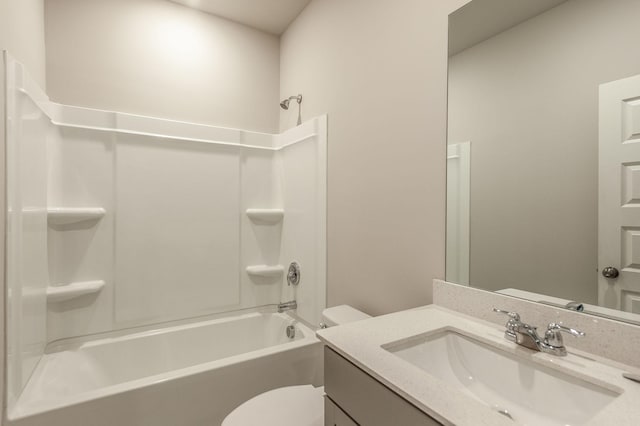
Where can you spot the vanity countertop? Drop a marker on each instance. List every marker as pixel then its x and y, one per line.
pixel 361 343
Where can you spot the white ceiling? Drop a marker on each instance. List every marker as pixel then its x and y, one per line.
pixel 483 19
pixel 272 16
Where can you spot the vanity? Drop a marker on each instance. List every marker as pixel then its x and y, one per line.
pixel 543 223
pixel 434 366
pixel 355 397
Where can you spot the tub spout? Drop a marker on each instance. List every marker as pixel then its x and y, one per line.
pixel 287 306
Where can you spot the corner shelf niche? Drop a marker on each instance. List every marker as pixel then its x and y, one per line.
pixel 271 216
pixel 69 215
pixel 62 293
pixel 265 271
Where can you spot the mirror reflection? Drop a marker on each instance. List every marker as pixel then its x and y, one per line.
pixel 543 156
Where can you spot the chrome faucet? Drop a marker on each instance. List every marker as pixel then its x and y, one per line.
pixel 526 335
pixel 287 306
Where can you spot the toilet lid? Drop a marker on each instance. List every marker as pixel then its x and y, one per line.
pixel 288 406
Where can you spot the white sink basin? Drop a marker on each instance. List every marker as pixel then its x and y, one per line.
pixel 528 393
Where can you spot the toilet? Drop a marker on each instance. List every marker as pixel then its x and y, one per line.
pixel 301 405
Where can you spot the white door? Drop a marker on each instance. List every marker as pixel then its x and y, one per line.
pixel 619 195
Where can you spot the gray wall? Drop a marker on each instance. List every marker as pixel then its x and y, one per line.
pixel 379 69
pixel 527 100
pixel 161 59
pixel 22 34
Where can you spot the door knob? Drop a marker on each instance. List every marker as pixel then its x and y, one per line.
pixel 610 272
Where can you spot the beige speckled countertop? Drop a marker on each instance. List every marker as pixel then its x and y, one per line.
pixel 361 343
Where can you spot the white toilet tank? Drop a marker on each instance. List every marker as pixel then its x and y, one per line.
pixel 342 314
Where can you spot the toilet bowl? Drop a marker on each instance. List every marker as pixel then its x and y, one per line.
pixel 292 405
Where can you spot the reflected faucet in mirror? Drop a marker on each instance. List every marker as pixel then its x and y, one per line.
pixel 572 306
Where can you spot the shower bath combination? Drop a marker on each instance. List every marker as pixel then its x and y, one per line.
pixel 285 106
pixel 107 346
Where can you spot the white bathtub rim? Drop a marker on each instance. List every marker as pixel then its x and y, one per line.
pixel 73 343
pixel 26 409
pixel 132 334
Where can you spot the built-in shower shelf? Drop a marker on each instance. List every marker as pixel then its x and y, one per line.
pixel 71 215
pixel 265 271
pixel 266 215
pixel 62 293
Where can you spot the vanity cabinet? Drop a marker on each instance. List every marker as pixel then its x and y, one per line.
pixel 355 398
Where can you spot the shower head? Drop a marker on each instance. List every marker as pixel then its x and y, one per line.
pixel 285 104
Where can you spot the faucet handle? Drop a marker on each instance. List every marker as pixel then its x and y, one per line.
pixel 513 315
pixel 559 327
pixel 512 325
pixel 553 335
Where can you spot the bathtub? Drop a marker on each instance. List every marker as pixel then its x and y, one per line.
pixel 180 375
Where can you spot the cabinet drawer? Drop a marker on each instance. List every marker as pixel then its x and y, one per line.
pixel 334 416
pixel 366 400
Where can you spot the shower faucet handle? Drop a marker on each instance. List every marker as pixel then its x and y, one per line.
pixel 293 274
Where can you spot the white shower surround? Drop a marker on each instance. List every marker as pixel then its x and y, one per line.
pixel 93 156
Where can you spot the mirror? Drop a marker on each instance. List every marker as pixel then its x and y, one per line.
pixel 543 156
